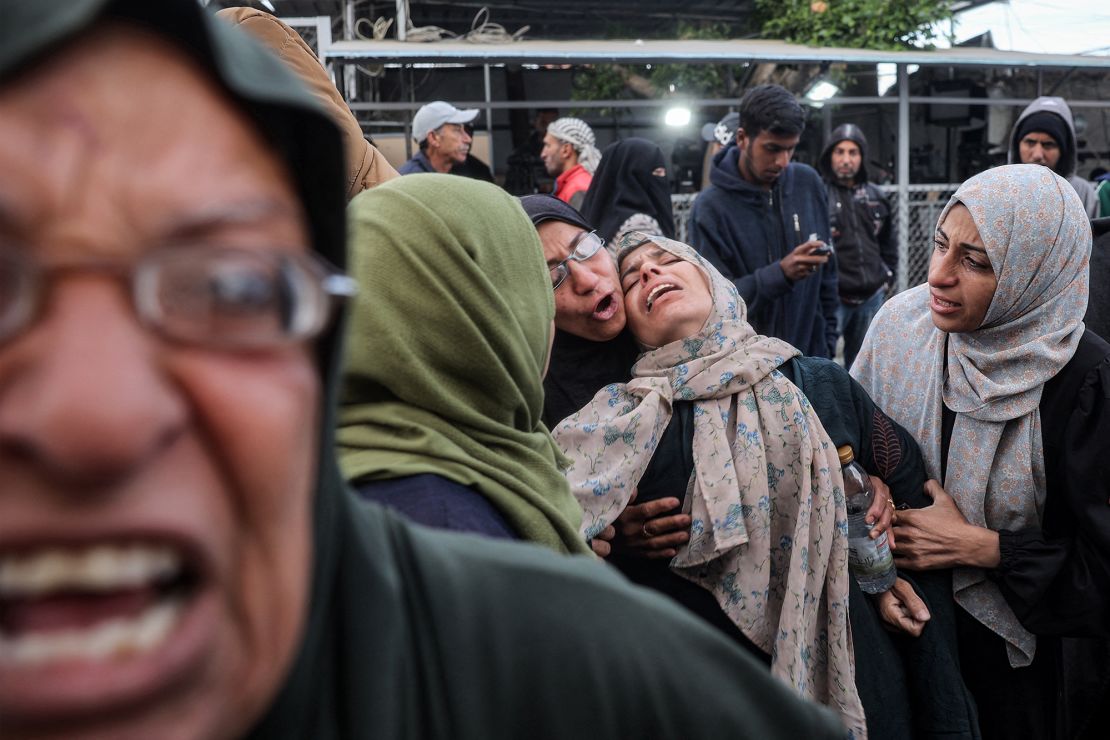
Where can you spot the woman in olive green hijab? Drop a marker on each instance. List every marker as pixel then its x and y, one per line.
pixel 442 390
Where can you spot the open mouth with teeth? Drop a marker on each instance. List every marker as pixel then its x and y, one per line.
pixel 658 291
pixel 94 604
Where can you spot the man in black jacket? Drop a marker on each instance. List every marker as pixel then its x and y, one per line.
pixel 862 232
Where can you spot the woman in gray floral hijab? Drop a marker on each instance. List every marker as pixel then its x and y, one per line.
pixel 989 366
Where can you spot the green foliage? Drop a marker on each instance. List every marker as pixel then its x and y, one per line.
pixel 698 80
pixel 605 82
pixel 857 24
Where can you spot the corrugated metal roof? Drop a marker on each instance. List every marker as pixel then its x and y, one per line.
pixel 656 51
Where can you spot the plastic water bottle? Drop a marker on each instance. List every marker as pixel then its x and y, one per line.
pixel 869 559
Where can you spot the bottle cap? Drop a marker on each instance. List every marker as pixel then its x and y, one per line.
pixel 846 454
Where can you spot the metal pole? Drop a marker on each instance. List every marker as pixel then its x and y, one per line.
pixel 402 20
pixel 903 209
pixel 489 117
pixel 408 121
pixel 350 84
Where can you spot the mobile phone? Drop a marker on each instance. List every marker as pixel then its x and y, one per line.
pixel 821 251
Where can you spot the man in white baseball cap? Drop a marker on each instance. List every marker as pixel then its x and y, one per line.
pixel 444 141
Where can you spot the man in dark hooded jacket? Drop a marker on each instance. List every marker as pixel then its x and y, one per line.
pixel 866 255
pixel 1045 134
pixel 764 223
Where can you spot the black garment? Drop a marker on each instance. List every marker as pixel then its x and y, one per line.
pixel 631 179
pixel 473 168
pixel 1057 578
pixel 861 224
pixel 525 172
pixel 910 687
pixel 863 234
pixel 580 368
pixel 435 501
pixel 1098 305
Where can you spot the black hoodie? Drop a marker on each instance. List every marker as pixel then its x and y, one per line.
pixel 862 224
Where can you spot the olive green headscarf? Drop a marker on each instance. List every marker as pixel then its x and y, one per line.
pixel 446 349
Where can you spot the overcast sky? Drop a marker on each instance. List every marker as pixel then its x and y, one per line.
pixel 1049 26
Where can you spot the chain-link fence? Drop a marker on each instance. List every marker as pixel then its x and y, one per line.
pixel 925 204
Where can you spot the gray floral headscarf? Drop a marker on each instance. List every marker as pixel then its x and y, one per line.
pixel 1039 241
pixel 769 532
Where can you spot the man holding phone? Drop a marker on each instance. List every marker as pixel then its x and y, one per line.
pixel 752 222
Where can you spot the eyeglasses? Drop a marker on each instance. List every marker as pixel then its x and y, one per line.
pixel 228 298
pixel 584 247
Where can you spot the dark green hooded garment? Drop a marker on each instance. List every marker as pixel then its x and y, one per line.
pixel 413 633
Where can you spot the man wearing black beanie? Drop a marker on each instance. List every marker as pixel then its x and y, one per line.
pixel 1045 134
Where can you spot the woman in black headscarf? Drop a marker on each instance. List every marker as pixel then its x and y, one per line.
pixel 629 192
pixel 252 602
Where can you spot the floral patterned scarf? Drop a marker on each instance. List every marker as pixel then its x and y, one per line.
pixel 769 533
pixel 1039 241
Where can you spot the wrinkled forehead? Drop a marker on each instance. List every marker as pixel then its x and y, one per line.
pixel 123 132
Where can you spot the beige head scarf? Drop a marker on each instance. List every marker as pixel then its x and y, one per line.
pixel 769 533
pixel 1039 241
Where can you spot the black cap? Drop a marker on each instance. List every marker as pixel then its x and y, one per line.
pixel 1045 122
pixel 542 208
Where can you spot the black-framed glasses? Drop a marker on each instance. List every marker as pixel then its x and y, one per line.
pixel 224 297
pixel 585 246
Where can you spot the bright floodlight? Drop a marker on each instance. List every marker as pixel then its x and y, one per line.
pixel 677 116
pixel 821 90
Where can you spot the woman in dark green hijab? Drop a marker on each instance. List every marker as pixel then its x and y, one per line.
pixel 442 393
pixel 179 555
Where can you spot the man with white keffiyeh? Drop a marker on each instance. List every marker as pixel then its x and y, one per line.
pixel 571 156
